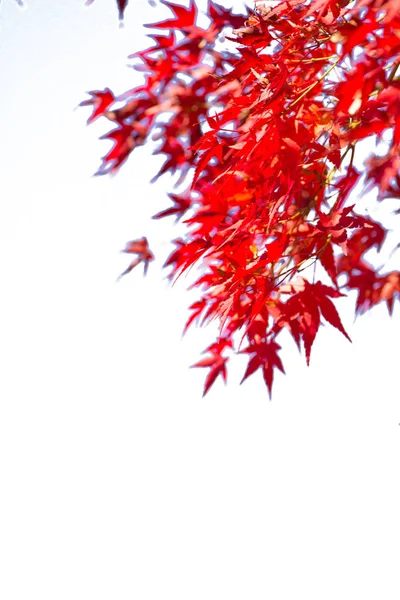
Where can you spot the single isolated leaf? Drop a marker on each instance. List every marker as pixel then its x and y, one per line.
pixel 144 255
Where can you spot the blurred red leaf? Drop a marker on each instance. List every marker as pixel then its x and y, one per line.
pixel 144 255
pixel 100 100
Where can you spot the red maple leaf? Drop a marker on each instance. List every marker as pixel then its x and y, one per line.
pixel 144 255
pixel 217 365
pixel 100 100
pixel 185 18
pixel 182 204
pixel 306 306
pixel 264 356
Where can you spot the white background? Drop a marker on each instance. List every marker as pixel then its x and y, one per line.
pixel 117 480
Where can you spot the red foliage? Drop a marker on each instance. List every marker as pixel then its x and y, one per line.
pixel 144 254
pixel 264 115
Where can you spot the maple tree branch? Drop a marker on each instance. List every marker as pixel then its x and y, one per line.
pixel 313 85
pixel 263 176
pixel 313 60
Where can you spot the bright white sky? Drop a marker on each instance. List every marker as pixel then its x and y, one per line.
pixel 118 480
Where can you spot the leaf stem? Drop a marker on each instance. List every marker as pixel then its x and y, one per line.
pixel 313 85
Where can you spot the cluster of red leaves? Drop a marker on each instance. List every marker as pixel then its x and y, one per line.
pixel 264 131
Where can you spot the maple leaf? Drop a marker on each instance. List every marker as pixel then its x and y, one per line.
pixel 390 289
pixel 355 32
pixel 197 308
pixel 184 17
pixel 336 224
pixel 219 15
pixel 144 255
pixel 100 100
pixel 306 306
pixel 327 10
pixel 163 42
pixel 264 356
pixel 326 306
pixel 217 365
pixel 382 171
pixel 182 204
